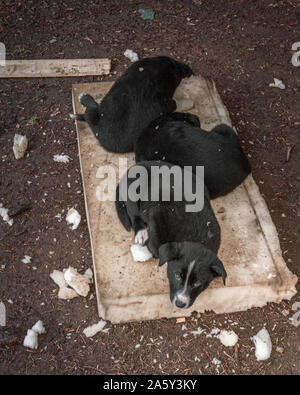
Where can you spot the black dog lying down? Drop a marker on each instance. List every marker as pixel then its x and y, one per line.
pixel 140 95
pixel 188 241
pixel 177 138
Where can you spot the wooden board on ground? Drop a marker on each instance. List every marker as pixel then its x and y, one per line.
pixel 250 250
pixel 54 68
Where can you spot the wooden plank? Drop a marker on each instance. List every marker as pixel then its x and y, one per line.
pixel 54 68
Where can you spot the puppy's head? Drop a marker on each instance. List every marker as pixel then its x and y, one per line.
pixel 191 268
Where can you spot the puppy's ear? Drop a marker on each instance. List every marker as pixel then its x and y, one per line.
pixel 168 252
pixel 218 269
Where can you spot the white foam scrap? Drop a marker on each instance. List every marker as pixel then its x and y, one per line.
pixel 133 56
pixel 197 332
pixel 94 329
pixel 38 327
pixel 59 278
pixel 26 259
pixel 217 363
pixel 277 84
pixel 228 338
pixel 78 282
pixel 58 216
pixel 67 293
pixel 31 339
pixel 213 332
pixel 20 146
pixel 89 274
pixel 73 218
pixel 2 314
pixel 64 292
pixel 263 345
pixel 61 158
pixel 4 215
pixel 140 253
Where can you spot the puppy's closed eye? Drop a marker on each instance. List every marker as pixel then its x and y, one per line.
pixel 197 284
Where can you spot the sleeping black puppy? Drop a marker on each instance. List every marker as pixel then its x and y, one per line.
pixel 177 138
pixel 140 95
pixel 188 241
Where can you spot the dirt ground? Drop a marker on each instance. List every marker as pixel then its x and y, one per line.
pixel 242 45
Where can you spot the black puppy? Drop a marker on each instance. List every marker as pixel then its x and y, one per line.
pixel 177 138
pixel 188 241
pixel 140 95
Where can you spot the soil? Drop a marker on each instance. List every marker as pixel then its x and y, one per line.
pixel 242 45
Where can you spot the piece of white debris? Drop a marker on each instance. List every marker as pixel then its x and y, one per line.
pixel 4 215
pixel 213 332
pixel 228 338
pixel 61 158
pixel 67 293
pixel 277 84
pixel 64 292
pixel 26 259
pixel 263 345
pixel 184 105
pixel 133 56
pixel 78 282
pixel 38 327
pixel 2 314
pixel 89 274
pixel 94 329
pixel 31 339
pixel 73 218
pixel 217 363
pixel 20 145
pixel 140 253
pixel 59 278
pixel 197 332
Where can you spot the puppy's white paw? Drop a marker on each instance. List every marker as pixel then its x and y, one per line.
pixel 141 236
pixel 140 253
pixel 73 116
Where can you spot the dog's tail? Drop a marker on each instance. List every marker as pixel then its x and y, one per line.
pixel 122 211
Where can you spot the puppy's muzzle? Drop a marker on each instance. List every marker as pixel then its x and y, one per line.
pixel 181 301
